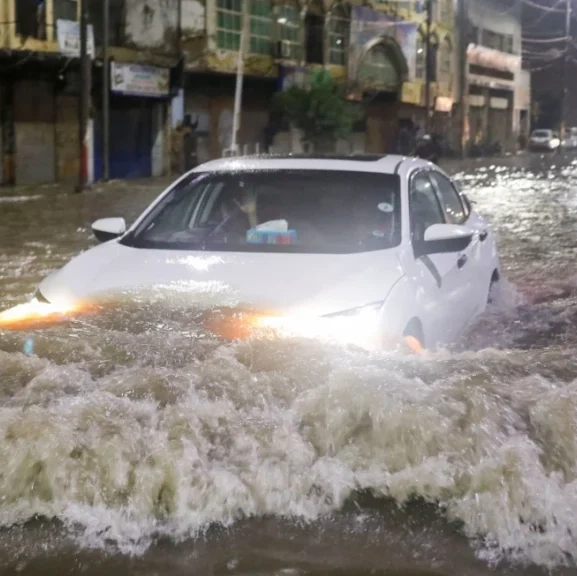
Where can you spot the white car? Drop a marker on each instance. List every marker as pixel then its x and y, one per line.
pixel 353 247
pixel 544 140
pixel 570 139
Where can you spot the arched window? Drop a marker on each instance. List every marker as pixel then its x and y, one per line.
pixel 421 59
pixel 261 27
pixel 378 68
pixel 339 29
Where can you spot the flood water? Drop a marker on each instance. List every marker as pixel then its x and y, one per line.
pixel 130 445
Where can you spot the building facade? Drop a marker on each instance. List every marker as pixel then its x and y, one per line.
pixel 376 49
pixel 498 89
pixel 178 59
pixel 40 87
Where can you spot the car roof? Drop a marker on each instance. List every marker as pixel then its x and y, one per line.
pixel 383 164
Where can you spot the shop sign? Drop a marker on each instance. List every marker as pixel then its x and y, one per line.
pixel 139 80
pixel 443 104
pixel 476 100
pixel 489 58
pixel 499 103
pixel 411 93
pixel 68 35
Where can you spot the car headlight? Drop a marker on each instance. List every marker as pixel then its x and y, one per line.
pixel 358 326
pixel 39 311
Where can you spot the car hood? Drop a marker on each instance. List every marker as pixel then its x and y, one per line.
pixel 310 283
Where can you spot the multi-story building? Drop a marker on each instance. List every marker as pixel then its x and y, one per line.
pixel 40 86
pixel 498 88
pixel 376 49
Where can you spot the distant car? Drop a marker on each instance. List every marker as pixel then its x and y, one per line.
pixel 544 140
pixel 570 139
pixel 310 246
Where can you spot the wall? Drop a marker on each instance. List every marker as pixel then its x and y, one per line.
pixel 193 18
pixel 66 134
pixel 151 24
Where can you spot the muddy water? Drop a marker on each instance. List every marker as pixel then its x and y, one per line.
pixel 135 444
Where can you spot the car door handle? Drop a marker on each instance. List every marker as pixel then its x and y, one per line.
pixel 462 261
pixel 483 235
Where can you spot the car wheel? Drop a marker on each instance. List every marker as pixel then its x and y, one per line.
pixel 413 336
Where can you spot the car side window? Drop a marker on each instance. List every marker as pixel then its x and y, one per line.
pixel 450 199
pixel 424 207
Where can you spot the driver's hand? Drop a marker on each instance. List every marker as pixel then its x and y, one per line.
pixel 248 206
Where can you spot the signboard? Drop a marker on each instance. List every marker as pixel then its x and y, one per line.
pixel 489 58
pixel 138 80
pixel 68 34
pixel 411 93
pixel 443 104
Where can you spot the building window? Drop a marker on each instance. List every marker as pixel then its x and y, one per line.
pixel 31 19
pixel 338 37
pixel 421 60
pixel 315 33
pixel 289 24
pixel 261 27
pixel 65 10
pixel 445 61
pixel 228 24
pixel 500 42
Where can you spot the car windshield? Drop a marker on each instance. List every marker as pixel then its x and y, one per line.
pixel 542 134
pixel 311 211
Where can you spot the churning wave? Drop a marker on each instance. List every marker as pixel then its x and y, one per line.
pixel 128 436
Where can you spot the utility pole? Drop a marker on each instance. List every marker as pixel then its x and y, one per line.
pixel 464 74
pixel 428 65
pixel 105 91
pixel 564 109
pixel 84 106
pixel 239 79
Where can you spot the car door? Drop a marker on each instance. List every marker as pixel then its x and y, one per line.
pixel 444 286
pixel 472 272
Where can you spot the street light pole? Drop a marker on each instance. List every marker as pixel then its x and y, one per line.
pixel 428 66
pixel 84 105
pixel 464 74
pixel 565 104
pixel 105 92
pixel 239 79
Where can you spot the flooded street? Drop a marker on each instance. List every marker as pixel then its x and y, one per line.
pixel 132 445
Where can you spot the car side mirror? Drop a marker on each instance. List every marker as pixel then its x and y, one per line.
pixel 446 238
pixel 107 229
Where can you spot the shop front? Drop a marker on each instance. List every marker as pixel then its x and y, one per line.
pixel 139 101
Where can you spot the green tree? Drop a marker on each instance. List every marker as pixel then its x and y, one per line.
pixel 320 110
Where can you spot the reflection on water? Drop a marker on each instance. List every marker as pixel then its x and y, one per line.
pixel 136 443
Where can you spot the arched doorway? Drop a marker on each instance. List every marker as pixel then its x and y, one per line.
pixel 381 71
